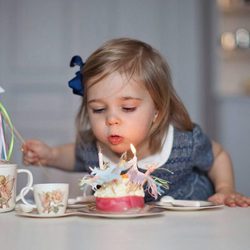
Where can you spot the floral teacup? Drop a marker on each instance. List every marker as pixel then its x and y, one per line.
pixel 8 177
pixel 50 198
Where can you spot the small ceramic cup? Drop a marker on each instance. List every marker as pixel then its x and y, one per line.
pixel 51 199
pixel 8 177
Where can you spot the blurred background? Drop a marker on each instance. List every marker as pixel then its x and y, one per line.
pixel 206 43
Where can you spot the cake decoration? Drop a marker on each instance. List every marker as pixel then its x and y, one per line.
pixel 121 187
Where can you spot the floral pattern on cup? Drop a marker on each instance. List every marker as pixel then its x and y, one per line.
pixel 6 190
pixel 51 201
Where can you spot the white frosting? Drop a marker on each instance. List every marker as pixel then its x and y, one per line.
pixel 119 188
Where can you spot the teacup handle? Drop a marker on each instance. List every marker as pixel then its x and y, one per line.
pixel 29 182
pixel 23 192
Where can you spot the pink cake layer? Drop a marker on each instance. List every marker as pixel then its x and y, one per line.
pixel 119 204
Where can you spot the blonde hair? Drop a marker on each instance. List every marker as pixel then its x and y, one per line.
pixel 139 60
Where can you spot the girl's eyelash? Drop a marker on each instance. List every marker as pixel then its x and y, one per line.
pixel 126 109
pixel 129 109
pixel 98 110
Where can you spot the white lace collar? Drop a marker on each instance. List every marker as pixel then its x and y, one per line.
pixel 159 158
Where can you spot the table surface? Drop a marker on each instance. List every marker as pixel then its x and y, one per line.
pixel 224 228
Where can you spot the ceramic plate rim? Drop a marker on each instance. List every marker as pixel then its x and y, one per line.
pixel 135 214
pixel 35 214
pixel 78 205
pixel 179 208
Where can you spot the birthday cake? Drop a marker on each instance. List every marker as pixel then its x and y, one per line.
pixel 119 195
pixel 120 188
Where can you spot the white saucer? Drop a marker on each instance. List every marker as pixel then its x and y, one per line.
pixel 35 214
pixel 186 208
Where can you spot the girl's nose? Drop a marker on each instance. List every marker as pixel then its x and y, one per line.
pixel 112 120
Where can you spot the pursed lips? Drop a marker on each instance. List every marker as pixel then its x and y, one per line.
pixel 115 139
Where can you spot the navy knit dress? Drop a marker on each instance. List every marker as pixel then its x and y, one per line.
pixel 190 158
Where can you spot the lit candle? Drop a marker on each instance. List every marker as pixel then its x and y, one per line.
pixel 134 160
pixel 100 158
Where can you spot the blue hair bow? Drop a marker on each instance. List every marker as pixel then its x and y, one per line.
pixel 77 82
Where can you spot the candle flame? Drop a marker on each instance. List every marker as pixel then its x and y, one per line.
pixel 133 149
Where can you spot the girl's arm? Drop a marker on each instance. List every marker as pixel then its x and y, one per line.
pixel 36 152
pixel 222 176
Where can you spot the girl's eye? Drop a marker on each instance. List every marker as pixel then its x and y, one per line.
pixel 99 110
pixel 129 109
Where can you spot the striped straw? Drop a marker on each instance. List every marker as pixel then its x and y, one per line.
pixel 3 153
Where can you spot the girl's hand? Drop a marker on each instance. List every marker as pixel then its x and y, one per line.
pixel 231 199
pixel 36 153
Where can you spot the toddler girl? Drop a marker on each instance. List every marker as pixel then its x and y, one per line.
pixel 128 98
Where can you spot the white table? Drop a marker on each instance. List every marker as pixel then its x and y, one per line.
pixel 226 228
